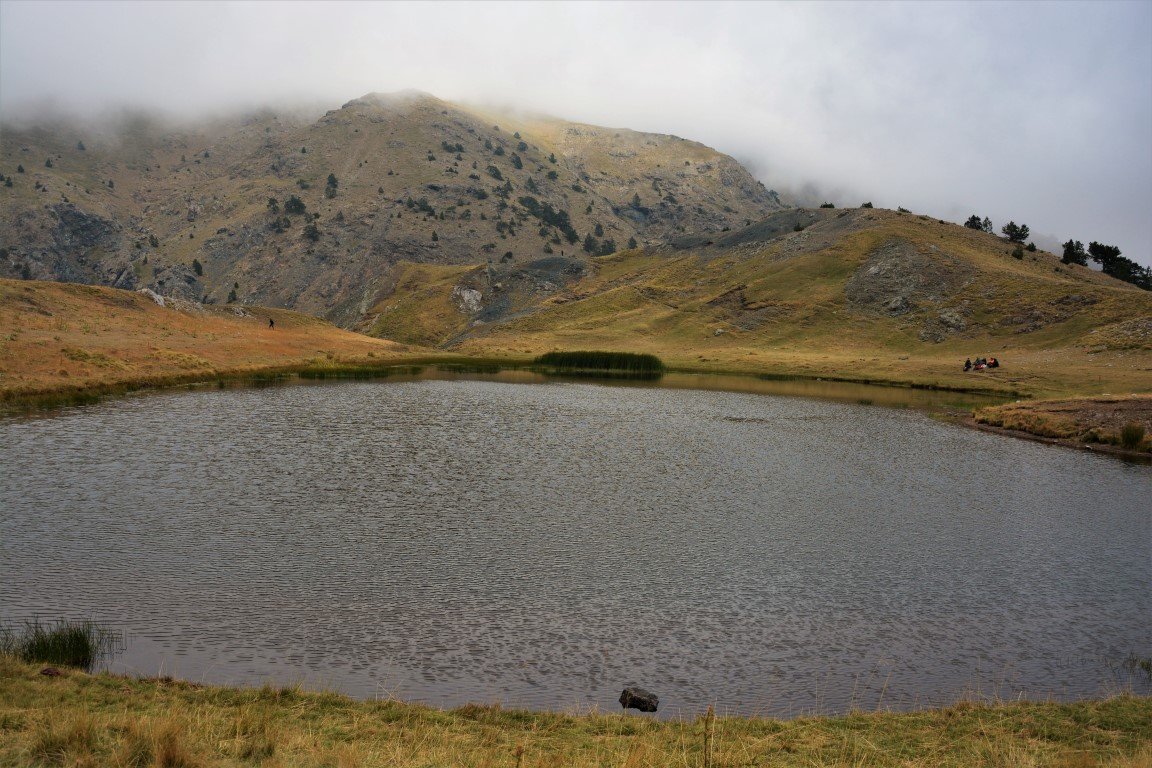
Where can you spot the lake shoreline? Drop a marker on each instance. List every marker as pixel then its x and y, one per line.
pixel 1019 434
pixel 80 393
pixel 1086 423
pixel 74 716
pixel 48 398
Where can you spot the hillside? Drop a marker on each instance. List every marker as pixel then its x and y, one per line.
pixel 862 293
pixel 382 180
pixel 56 338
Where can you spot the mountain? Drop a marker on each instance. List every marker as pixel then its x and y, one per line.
pixel 384 180
pixel 864 293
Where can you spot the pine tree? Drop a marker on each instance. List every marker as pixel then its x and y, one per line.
pixel 1016 233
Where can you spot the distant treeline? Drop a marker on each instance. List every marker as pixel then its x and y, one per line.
pixel 602 361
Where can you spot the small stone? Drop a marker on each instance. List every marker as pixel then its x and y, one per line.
pixel 640 699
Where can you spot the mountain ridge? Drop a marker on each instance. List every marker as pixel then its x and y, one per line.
pixel 384 178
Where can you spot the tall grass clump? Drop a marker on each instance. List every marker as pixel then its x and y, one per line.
pixel 627 362
pixel 1132 435
pixel 68 643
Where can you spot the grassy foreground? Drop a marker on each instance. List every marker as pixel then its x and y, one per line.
pixel 76 719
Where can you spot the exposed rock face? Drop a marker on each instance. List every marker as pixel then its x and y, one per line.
pixel 467 300
pixel 79 232
pixel 177 281
pixel 640 699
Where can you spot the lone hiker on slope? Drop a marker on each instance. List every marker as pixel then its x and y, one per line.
pixel 271 323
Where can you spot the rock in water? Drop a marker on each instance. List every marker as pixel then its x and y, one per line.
pixel 638 698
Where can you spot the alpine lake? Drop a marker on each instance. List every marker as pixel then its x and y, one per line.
pixel 768 547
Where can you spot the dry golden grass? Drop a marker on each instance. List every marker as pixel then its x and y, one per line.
pixel 1077 420
pixel 82 720
pixel 57 337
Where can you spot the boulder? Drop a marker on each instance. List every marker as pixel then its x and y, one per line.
pixel 638 698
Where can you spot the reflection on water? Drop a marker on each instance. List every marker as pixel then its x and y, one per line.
pixel 844 392
pixel 461 540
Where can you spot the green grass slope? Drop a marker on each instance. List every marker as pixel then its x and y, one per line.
pixel 860 293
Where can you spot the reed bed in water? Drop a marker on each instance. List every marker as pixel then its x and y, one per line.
pixel 79 644
pixel 627 362
pixel 80 719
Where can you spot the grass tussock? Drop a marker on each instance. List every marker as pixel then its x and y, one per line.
pixel 80 719
pixel 1132 435
pixel 65 742
pixel 79 644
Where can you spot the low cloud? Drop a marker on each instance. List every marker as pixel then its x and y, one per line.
pixel 1036 112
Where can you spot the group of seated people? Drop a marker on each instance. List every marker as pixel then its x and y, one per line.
pixel 981 363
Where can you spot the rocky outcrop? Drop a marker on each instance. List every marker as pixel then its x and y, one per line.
pixel 467 300
pixel 900 278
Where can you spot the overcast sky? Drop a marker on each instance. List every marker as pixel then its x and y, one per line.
pixel 1032 111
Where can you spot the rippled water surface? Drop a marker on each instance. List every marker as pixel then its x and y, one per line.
pixel 545 545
